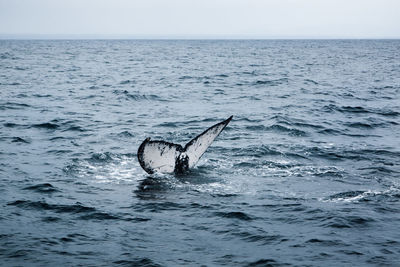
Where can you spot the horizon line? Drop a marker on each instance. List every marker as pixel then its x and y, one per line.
pixel 55 36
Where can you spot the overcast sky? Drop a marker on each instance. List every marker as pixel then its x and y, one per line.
pixel 246 18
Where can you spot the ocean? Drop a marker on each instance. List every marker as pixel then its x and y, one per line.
pixel 306 173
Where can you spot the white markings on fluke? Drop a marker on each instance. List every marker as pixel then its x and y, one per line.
pixel 165 157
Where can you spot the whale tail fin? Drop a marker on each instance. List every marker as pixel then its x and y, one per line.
pixel 158 156
pixel 198 145
pixel 161 156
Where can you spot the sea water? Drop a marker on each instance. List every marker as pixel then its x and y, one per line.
pixel 306 174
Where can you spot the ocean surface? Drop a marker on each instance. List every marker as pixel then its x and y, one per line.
pixel 306 174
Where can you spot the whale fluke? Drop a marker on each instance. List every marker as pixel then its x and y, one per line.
pixel 165 157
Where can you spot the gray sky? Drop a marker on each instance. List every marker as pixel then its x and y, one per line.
pixel 229 18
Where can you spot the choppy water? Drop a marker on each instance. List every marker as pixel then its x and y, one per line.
pixel 306 174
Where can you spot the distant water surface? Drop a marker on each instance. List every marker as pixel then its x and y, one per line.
pixel 306 174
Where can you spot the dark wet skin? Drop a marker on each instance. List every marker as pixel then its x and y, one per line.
pixel 182 164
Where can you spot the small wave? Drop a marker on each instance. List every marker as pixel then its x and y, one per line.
pixel 263 151
pixel 11 125
pixel 351 221
pixel 99 216
pixel 137 96
pixel 12 83
pixel 175 124
pixel 262 238
pixel 46 125
pixel 74 237
pixel 59 208
pixel 380 152
pixel 21 95
pixel 249 97
pixel 335 154
pixel 388 113
pixel 101 157
pixel 219 92
pixel 20 253
pixel 329 131
pixel 290 131
pixel 169 124
pixel 295 122
pixel 346 195
pixel 13 105
pixel 127 82
pixel 7 55
pixel 264 262
pixel 363 125
pixel 322 242
pixel 51 219
pixel 246 119
pixel 356 154
pixel 126 134
pixel 311 81
pixel 88 213
pixel 362 110
pixel 249 73
pixel 350 252
pixel 20 68
pixel 271 82
pixel 317 171
pixel 277 128
pixel 303 125
pixel 19 140
pixel 75 129
pixel 145 262
pixel 42 188
pixel 257 151
pixel 246 165
pixel 58 124
pixel 57 138
pixel 186 77
pixel 59 151
pixel 234 215
pixel 391 194
pixel 379 170
pixel 353 109
pixel 159 206
pixel 40 96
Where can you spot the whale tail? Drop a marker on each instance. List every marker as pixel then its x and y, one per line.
pixel 161 156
